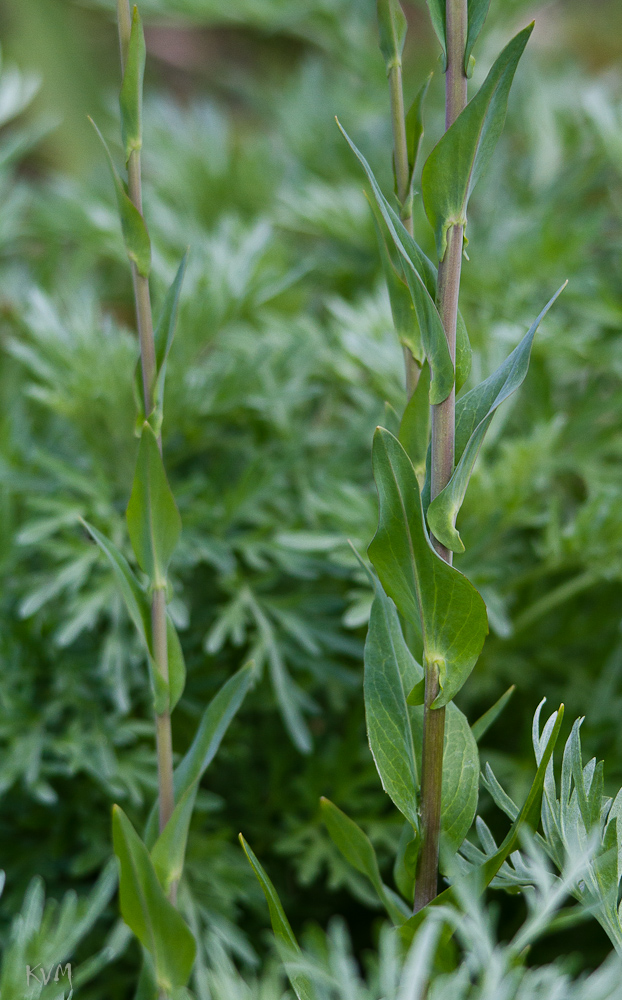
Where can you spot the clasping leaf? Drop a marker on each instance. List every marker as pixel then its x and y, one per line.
pixel 131 96
pixel 153 520
pixel 392 29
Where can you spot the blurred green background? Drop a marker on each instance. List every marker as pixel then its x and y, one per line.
pixel 284 359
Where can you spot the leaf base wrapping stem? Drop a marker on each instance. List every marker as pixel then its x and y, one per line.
pixel 431 787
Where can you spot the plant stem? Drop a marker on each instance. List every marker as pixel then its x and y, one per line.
pixel 144 321
pixel 402 173
pixel 443 435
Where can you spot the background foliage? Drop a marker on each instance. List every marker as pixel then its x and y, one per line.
pixel 284 358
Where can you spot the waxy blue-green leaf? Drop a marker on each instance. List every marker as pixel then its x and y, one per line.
pixel 392 28
pixel 163 338
pixel 438 19
pixel 153 520
pixel 286 942
pixel 135 234
pixel 402 309
pixel 358 851
pixel 477 13
pixel 424 588
pixel 390 672
pixel 146 910
pixel 131 96
pixel 414 429
pixel 414 131
pixel 176 664
pixel 208 737
pixel 169 850
pixel 485 721
pixel 421 280
pixel 458 159
pixel 474 412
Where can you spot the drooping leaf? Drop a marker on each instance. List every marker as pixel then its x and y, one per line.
pixel 213 726
pixel 135 235
pixel 402 309
pixel 169 850
pixel 477 13
pixel 286 942
pixel 392 30
pixel 131 96
pixel 358 851
pixel 134 596
pixel 424 588
pixel 420 277
pixel 153 520
pixel 415 130
pixel 414 430
pixel 163 337
pixel 391 671
pixel 458 159
pixel 146 910
pixel 485 721
pixel 474 413
pixel 176 664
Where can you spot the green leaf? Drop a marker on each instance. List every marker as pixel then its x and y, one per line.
pixel 390 671
pixel 415 129
pixel 414 431
pixel 169 850
pixel 163 337
pixel 464 354
pixel 176 664
pixel 213 726
pixel 146 910
pixel 153 520
pixel 424 588
pixel 135 235
pixel 438 18
pixel 477 12
pixel 486 720
pixel 457 161
pixel 358 851
pixel 131 96
pixel 134 596
pixel 392 28
pixel 402 309
pixel 405 867
pixel 474 413
pixel 285 939
pixel 420 277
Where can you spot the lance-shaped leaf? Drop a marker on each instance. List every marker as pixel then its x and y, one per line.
pixel 402 309
pixel 131 96
pixel 439 20
pixel 485 721
pixel 390 672
pixel 477 13
pixel 421 280
pixel 358 851
pixel 153 520
pixel 163 337
pixel 213 726
pixel 424 587
pixel 392 30
pixel 415 129
pixel 286 942
pixel 414 430
pixel 169 850
pixel 176 664
pixel 458 159
pixel 146 910
pixel 474 413
pixel 135 235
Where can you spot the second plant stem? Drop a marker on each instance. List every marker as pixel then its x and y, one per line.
pixel 442 464
pixel 144 321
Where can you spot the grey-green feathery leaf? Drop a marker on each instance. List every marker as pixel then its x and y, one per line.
pixel 358 851
pixel 390 672
pixel 146 910
pixel 458 159
pixel 131 96
pixel 424 588
pixel 474 413
pixel 421 279
pixel 153 520
pixel 135 235
pixel 392 28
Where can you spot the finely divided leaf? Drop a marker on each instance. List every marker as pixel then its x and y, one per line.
pixel 390 672
pixel 420 276
pixel 131 96
pixel 424 588
pixel 456 162
pixel 153 520
pixel 146 910
pixel 474 413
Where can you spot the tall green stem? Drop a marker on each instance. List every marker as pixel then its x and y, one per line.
pixel 443 435
pixel 402 173
pixel 148 365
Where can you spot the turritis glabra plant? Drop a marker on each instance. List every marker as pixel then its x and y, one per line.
pixel 151 866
